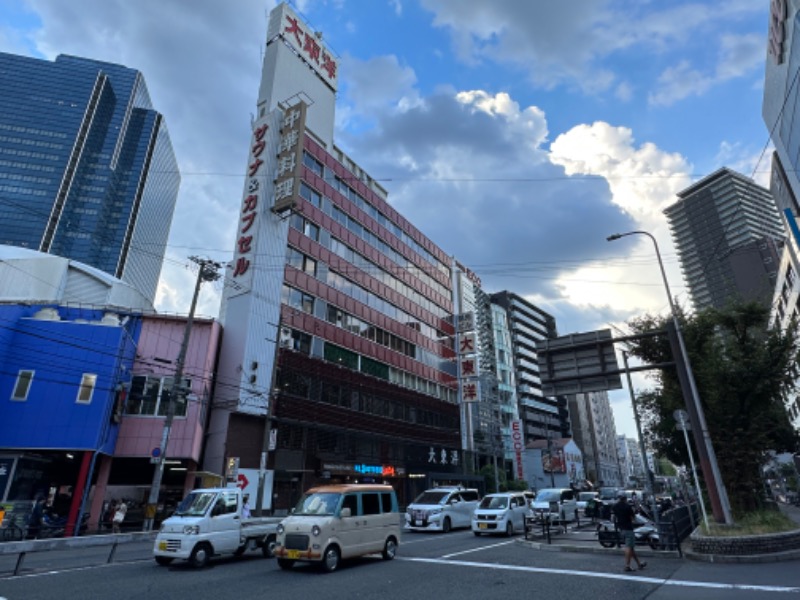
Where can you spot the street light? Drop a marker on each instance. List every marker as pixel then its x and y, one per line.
pixel 719 496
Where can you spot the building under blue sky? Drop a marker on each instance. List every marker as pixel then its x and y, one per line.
pixel 87 169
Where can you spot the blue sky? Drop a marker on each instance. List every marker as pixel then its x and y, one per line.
pixel 516 134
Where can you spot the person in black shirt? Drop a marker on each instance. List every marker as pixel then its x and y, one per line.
pixel 623 513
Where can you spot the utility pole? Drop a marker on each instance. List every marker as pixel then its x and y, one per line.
pixel 265 440
pixel 208 272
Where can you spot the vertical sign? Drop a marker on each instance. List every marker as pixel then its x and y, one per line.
pixel 290 157
pixel 518 446
pixel 307 44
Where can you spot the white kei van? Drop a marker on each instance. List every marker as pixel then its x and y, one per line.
pixel 335 522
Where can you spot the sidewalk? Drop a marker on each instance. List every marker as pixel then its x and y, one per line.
pixel 791 511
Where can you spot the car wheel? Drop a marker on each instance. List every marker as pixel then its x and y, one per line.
pixel 654 543
pixel 200 555
pixel 285 563
pixel 331 558
pixel 164 560
pixel 509 529
pixel 446 525
pixel 268 549
pixel 389 549
pixel 477 533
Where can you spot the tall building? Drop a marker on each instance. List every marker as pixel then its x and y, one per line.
pixel 338 312
pixel 543 417
pixel 781 104
pixel 728 235
pixel 595 434
pixel 87 170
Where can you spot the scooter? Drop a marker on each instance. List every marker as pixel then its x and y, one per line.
pixel 645 532
pixel 55 526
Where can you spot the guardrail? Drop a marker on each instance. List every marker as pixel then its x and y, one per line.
pixel 22 549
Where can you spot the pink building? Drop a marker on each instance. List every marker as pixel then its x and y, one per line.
pixel 129 473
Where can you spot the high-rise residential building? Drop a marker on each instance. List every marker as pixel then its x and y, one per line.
pixel 543 417
pixel 338 312
pixel 781 104
pixel 595 433
pixel 728 236
pixel 87 170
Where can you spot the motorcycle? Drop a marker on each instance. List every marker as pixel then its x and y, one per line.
pixel 56 526
pixel 645 532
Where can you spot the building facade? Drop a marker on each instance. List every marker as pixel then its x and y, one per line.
pixel 338 312
pixel 596 435
pixel 543 417
pixel 87 169
pixel 728 236
pixel 781 104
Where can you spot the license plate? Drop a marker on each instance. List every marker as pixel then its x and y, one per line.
pixel 293 554
pixel 162 545
pixel 418 523
pixel 482 525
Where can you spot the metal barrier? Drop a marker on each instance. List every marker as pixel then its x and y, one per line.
pixel 676 525
pixel 22 549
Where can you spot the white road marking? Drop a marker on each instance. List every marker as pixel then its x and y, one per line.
pixel 625 577
pixel 478 549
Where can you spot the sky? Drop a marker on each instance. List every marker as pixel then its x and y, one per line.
pixel 517 135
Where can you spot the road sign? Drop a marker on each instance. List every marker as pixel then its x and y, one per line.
pixel 242 481
pixel 682 420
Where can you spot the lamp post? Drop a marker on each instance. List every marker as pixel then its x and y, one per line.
pixel 708 459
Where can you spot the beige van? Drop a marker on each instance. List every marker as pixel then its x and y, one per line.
pixel 335 522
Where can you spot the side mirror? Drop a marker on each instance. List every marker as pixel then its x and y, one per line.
pixel 345 512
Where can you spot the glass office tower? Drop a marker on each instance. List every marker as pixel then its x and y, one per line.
pixel 87 169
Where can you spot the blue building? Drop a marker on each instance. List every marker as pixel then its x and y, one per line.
pixel 87 169
pixel 68 340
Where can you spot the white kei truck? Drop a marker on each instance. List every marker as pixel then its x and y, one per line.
pixel 209 522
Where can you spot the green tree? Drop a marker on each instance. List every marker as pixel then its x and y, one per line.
pixel 742 370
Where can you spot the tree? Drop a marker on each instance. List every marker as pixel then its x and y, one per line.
pixel 742 369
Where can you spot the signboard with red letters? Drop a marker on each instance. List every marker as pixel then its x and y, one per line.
pixel 308 45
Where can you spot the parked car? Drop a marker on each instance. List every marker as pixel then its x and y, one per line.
pixel 559 502
pixel 442 509
pixel 584 498
pixel 336 522
pixel 500 513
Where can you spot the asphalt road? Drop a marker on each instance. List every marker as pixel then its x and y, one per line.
pixel 428 567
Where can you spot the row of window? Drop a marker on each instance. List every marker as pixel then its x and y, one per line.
pixel 24 383
pixel 28 154
pixel 22 190
pixel 26 178
pixel 33 131
pixel 337 214
pixel 29 142
pixel 376 334
pixel 27 165
pixel 150 395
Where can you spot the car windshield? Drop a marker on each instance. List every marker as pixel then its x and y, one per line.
pixel 548 496
pixel 586 496
pixel 608 493
pixel 320 503
pixel 431 497
pixel 497 502
pixel 195 504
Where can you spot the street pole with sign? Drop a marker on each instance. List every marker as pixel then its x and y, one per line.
pixel 682 419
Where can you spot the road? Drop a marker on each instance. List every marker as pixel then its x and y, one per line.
pixel 428 566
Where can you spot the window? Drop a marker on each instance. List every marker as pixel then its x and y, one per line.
pixel 351 502
pixel 86 389
pixel 150 396
pixel 371 504
pixel 23 385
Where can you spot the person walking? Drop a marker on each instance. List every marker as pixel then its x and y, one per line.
pixel 35 518
pixel 624 515
pixel 119 516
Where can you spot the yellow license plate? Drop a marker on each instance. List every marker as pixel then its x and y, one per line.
pixel 482 525
pixel 293 554
pixel 162 545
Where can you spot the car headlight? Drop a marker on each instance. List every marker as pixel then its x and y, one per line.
pixel 280 529
pixel 191 529
pixel 315 531
pixel 436 511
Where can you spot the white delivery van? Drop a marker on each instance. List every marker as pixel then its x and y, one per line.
pixel 209 522
pixel 335 522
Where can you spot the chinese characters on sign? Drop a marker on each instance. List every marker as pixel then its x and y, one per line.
pixel 308 45
pixel 290 157
pixel 467 357
pixel 443 457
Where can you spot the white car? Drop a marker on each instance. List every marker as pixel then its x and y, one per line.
pixel 500 513
pixel 584 498
pixel 560 503
pixel 442 509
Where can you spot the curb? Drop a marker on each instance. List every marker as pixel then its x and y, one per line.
pixel 587 549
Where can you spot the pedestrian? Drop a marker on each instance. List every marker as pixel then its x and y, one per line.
pixel 624 515
pixel 119 516
pixel 108 515
pixel 246 507
pixel 35 518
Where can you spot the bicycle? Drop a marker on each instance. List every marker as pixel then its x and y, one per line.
pixel 11 530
